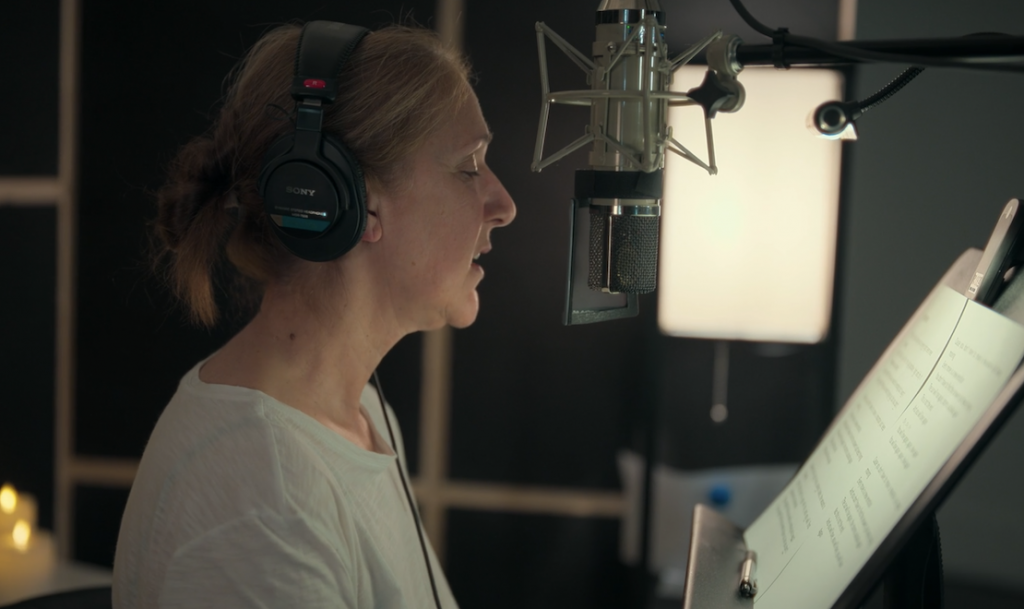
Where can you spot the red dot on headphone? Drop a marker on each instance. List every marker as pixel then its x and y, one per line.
pixel 314 83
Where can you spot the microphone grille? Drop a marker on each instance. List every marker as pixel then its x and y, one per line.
pixel 633 251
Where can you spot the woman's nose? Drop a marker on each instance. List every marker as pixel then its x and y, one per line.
pixel 502 207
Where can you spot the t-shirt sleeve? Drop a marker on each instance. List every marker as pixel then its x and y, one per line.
pixel 257 561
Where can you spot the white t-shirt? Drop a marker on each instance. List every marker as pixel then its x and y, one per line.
pixel 242 501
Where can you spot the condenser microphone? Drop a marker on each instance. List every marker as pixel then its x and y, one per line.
pixel 617 200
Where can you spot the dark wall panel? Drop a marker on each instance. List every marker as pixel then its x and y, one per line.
pixel 535 402
pixel 779 401
pixel 97 520
pixel 29 50
pixel 691 20
pixel 400 376
pixel 151 78
pixel 500 561
pixel 28 246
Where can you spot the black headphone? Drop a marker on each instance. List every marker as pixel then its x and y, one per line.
pixel 311 183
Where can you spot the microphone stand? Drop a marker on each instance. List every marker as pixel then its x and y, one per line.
pixel 727 56
pixel 978 47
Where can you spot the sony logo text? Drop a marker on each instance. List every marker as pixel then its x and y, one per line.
pixel 295 190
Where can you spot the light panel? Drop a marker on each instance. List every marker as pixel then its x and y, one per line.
pixel 749 254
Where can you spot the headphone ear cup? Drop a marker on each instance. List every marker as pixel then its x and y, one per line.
pixel 352 219
pixel 315 202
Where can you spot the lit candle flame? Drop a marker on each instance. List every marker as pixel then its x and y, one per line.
pixel 8 498
pixel 22 533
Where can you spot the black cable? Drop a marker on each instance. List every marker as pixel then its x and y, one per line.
pixel 751 21
pixel 405 485
pixel 847 52
pixel 889 90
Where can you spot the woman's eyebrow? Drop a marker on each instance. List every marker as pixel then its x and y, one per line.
pixel 482 140
pixel 477 144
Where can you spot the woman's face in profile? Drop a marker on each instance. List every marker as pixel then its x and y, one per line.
pixel 438 221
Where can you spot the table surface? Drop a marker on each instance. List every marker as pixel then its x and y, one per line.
pixel 64 576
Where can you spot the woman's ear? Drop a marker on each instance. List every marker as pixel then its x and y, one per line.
pixel 373 230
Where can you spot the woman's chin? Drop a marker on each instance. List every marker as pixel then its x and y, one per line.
pixel 462 315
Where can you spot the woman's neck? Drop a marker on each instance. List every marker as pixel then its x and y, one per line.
pixel 316 361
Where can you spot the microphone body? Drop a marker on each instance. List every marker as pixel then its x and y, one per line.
pixel 625 215
pixel 623 186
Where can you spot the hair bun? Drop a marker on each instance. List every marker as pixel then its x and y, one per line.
pixel 199 176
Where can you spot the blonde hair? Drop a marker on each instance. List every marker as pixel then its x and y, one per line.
pixel 399 86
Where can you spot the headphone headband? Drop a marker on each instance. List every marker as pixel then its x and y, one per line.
pixel 324 46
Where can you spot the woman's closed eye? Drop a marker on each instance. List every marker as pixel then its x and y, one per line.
pixel 471 169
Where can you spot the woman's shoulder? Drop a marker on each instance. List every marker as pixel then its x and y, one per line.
pixel 240 447
pixel 222 471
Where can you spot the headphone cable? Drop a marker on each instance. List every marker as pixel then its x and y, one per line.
pixel 405 485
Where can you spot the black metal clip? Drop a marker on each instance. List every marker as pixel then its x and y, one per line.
pixel 1004 251
pixel 779 37
pixel 748 585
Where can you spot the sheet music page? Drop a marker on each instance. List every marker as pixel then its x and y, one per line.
pixel 897 430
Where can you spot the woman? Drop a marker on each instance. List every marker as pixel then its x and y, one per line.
pixel 272 479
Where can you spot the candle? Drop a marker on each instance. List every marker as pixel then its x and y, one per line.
pixel 15 506
pixel 27 555
pixel 8 498
pixel 27 558
pixel 21 535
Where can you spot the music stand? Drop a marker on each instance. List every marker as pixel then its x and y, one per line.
pixel 908 559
